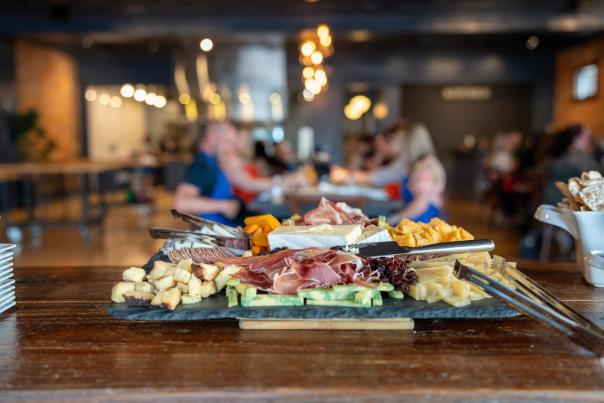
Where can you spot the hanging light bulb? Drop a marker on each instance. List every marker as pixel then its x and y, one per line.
pixel 322 31
pixel 140 94
pixel 206 44
pixel 321 77
pixel 127 90
pixel 308 72
pixel 316 57
pixel 307 48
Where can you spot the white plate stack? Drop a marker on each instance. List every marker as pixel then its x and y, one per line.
pixel 7 280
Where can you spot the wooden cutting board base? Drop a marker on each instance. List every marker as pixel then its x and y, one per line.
pixel 327 324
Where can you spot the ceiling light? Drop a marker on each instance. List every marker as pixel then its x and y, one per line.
pixel 380 110
pixel 214 98
pixel 105 99
pixel 140 95
pixel 115 102
pixel 161 101
pixel 532 42
pixel 245 98
pixel 316 57
pixel 183 98
pixel 275 98
pixel 206 44
pixel 90 95
pixel 307 48
pixel 151 98
pixel 325 41
pixel 313 86
pixel 321 77
pixel 322 31
pixel 360 35
pixel 308 72
pixel 127 90
pixel 308 96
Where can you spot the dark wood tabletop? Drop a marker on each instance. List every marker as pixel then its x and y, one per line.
pixel 60 344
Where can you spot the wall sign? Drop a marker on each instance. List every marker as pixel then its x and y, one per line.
pixel 466 93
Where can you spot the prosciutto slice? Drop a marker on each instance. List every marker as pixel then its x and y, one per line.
pixel 329 212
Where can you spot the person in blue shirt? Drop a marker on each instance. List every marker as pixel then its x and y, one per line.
pixel 218 167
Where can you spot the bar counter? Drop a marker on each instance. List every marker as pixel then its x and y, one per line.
pixel 60 344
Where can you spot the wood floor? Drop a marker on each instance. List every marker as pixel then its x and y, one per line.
pixel 125 240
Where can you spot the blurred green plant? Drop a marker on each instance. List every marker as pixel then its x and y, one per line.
pixel 30 138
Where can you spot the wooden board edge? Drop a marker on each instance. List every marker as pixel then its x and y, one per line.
pixel 327 324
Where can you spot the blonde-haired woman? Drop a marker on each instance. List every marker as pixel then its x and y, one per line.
pixel 413 164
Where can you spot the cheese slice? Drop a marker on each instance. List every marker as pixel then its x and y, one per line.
pixel 318 236
pixel 374 234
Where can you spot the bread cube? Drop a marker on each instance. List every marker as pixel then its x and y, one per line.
pixel 134 274
pixel 171 298
pixel 194 286
pixel 207 288
pixel 190 299
pixel 185 264
pixel 156 301
pixel 160 269
pixel 118 291
pixel 138 298
pixel 184 288
pixel 210 271
pixel 224 276
pixel 164 283
pixel 182 275
pixel 143 286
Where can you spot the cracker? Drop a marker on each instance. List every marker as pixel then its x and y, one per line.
pixel 593 197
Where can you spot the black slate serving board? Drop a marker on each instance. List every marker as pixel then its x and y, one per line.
pixel 215 307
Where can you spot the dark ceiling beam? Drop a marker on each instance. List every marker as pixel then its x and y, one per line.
pixel 186 17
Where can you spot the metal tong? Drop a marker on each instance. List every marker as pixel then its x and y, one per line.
pixel 199 222
pixel 538 303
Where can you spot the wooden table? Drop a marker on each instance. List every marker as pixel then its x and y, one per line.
pixel 35 175
pixel 60 344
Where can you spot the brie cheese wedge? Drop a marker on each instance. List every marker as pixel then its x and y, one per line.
pixel 318 236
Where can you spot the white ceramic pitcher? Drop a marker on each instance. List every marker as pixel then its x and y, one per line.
pixel 586 227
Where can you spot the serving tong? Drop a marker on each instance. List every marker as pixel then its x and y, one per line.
pixel 201 223
pixel 538 303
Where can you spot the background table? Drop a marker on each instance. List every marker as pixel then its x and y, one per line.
pixel 60 344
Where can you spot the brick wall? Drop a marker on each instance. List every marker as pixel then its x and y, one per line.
pixel 47 81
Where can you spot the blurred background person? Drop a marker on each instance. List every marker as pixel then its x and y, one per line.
pixel 218 168
pixel 571 153
pixel 414 167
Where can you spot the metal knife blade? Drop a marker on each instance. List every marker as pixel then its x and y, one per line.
pixel 378 249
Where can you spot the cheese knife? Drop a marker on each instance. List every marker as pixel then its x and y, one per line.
pixel 391 248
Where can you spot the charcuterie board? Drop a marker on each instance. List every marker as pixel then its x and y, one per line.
pixel 215 307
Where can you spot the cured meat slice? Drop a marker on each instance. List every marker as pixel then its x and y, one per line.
pixel 329 212
pixel 289 283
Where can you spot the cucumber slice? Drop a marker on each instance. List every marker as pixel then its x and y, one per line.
pixel 365 296
pixel 386 287
pixel 246 290
pixel 232 282
pixel 318 294
pixel 347 291
pixel 396 294
pixel 272 300
pixel 232 296
pixel 377 300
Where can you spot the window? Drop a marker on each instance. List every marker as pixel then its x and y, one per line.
pixel 585 84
